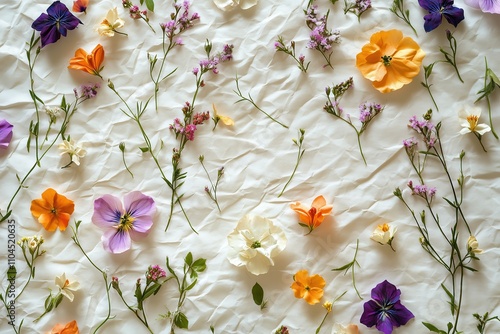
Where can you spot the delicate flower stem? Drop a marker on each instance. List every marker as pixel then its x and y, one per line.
pixel 398 8
pixel 300 154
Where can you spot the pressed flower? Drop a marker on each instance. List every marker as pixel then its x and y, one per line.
pixel 385 310
pixel 349 329
pixel 224 119
pixel 121 223
pixel 312 217
pixel 70 328
pixel 384 234
pixel 487 6
pixel 90 63
pixel 109 25
pixel 80 6
pixel 469 120
pixel 53 210
pixel 5 133
pixel 437 9
pixel 473 245
pixel 74 149
pixel 254 243
pixel 66 287
pixel 390 60
pixel 310 288
pixel 227 5
pixel 55 23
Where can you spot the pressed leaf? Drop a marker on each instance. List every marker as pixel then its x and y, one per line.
pixel 181 321
pixel 258 294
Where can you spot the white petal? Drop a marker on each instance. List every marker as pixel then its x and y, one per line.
pixel 482 129
pixel 245 4
pixel 226 5
pixel 464 131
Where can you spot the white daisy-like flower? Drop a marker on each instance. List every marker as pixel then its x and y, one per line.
pixel 66 287
pixel 228 5
pixel 469 120
pixel 254 243
pixel 75 150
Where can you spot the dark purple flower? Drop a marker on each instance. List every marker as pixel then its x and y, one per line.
pixel 55 23
pixel 5 133
pixel 437 9
pixel 123 224
pixel 385 311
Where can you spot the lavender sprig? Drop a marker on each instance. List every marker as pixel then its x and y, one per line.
pixel 290 50
pixel 358 7
pixel 136 13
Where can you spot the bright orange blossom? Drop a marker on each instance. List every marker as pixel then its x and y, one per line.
pixel 52 210
pixel 308 287
pixel 314 216
pixel 90 63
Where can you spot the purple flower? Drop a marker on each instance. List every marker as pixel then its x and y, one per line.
pixel 55 23
pixel 437 9
pixel 154 273
pixel 122 224
pixel 487 6
pixel 5 133
pixel 385 311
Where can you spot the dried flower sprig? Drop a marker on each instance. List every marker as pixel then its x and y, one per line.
pixel 491 81
pixel 300 154
pixel 451 58
pixel 358 7
pixel 104 273
pixel 351 266
pixel 456 259
pixel 398 8
pixel 136 13
pixel 191 269
pixel 483 320
pixel 250 99
pixel 212 191
pixel 368 111
pixel 290 50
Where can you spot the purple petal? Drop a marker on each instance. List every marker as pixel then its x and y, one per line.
pixel 370 313
pixel 454 15
pixel 490 6
pixel 400 315
pixel 473 3
pixel 384 324
pixel 5 133
pixel 107 211
pixel 115 241
pixel 41 22
pixel 430 5
pixel 141 208
pixel 49 35
pixel 386 293
pixel 432 21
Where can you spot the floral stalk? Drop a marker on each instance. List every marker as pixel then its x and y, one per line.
pixel 122 149
pixel 351 266
pixel 451 58
pixel 491 81
pixel 136 13
pixel 321 38
pixel 483 320
pixel 212 191
pixel 328 306
pixel 250 99
pixel 290 50
pixel 358 7
pixel 300 154
pixel 398 8
pixel 427 73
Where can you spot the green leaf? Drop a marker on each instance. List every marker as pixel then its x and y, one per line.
pixel 151 5
pixel 212 329
pixel 144 149
pixel 190 286
pixel 199 265
pixel 189 259
pixel 493 76
pixel 258 294
pixel 346 266
pixel 181 321
pixel 433 328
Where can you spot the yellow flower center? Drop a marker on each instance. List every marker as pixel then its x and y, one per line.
pixel 386 60
pixel 384 227
pixel 126 222
pixel 472 119
pixel 256 244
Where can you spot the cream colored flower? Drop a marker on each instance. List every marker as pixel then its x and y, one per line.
pixel 349 329
pixel 76 151
pixel 254 243
pixel 469 118
pixel 66 287
pixel 384 234
pixel 227 5
pixel 473 245
pixel 53 112
pixel 109 25
pixel 224 119
pixel 35 241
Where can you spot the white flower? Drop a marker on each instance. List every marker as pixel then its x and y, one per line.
pixel 227 5
pixel 254 243
pixel 75 150
pixel 473 245
pixel 109 25
pixel 349 329
pixel 35 241
pixel 66 288
pixel 469 117
pixel 53 112
pixel 384 234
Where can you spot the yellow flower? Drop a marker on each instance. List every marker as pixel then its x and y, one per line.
pixel 66 287
pixel 328 306
pixel 308 287
pixel 390 60
pixel 109 25
pixel 225 119
pixel 314 216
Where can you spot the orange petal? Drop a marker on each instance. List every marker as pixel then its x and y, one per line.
pixel 98 57
pixel 39 207
pixel 318 202
pixel 303 212
pixel 49 221
pixel 313 296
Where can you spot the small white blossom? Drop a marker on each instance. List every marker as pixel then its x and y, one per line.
pixel 75 150
pixel 473 245
pixel 469 118
pixel 66 287
pixel 109 25
pixel 53 112
pixel 227 5
pixel 384 234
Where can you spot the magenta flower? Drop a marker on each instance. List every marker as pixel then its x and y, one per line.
pixel 55 23
pixel 487 6
pixel 385 310
pixel 123 224
pixel 5 133
pixel 437 9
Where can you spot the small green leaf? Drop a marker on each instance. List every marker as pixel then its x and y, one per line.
pixel 181 321
pixel 199 265
pixel 189 259
pixel 151 5
pixel 144 149
pixel 433 328
pixel 258 294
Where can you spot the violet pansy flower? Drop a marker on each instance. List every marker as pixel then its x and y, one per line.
pixel 121 224
pixel 5 133
pixel 487 6
pixel 385 310
pixel 437 9
pixel 55 23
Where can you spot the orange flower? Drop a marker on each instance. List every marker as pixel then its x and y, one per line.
pixel 52 210
pixel 389 60
pixel 90 63
pixel 313 217
pixel 308 287
pixel 69 328
pixel 80 6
